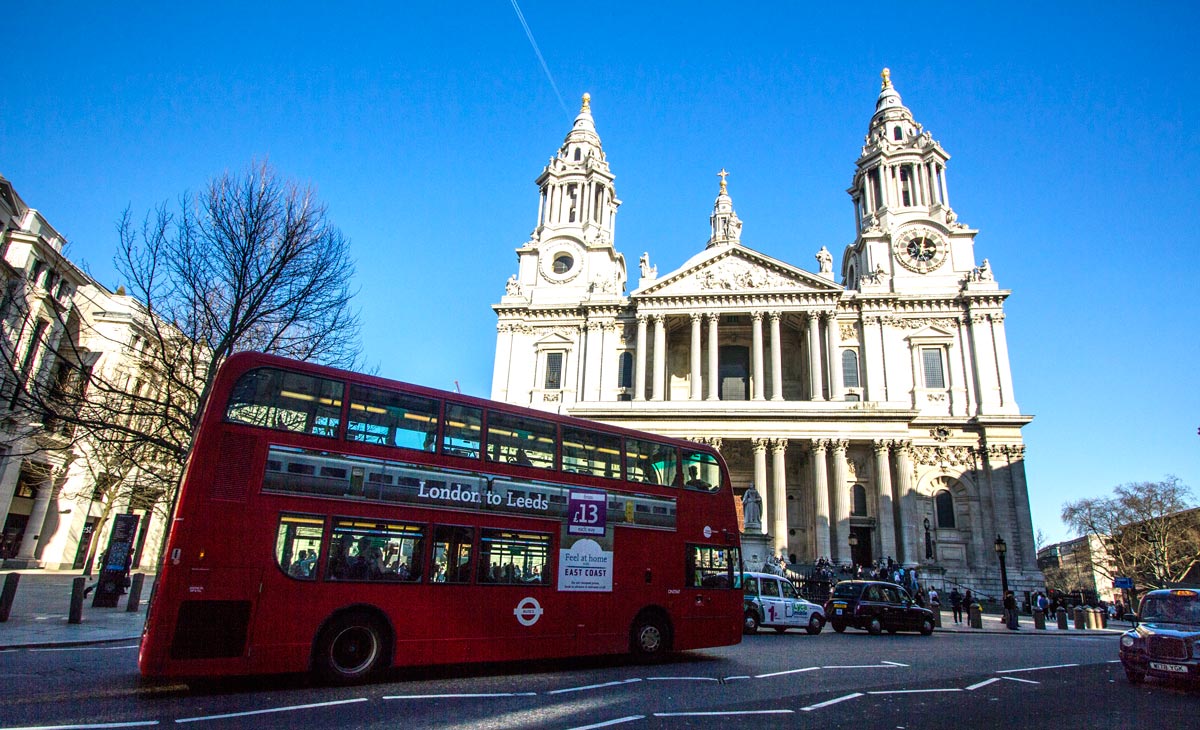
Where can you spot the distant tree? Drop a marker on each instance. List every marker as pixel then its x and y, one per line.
pixel 1150 531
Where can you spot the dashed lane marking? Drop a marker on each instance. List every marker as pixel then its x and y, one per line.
pixel 1034 669
pixel 594 686
pixel 95 726
pixel 683 679
pixel 610 723
pixel 723 714
pixel 289 708
pixel 460 696
pixel 786 671
pixel 914 691
pixel 834 701
pixel 86 648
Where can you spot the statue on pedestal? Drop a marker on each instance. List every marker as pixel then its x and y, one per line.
pixel 752 510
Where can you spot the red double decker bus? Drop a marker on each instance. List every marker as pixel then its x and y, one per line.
pixel 345 523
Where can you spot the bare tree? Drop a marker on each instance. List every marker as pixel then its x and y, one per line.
pixel 1149 530
pixel 252 262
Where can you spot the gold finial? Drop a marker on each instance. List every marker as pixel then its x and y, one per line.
pixel 887 79
pixel 722 174
pixel 587 103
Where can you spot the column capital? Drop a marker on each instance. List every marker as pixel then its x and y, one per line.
pixel 839 444
pixel 712 316
pixel 756 315
pixel 642 318
pixel 760 444
pixel 779 445
pixel 881 445
pixel 828 315
pixel 775 316
pixel 902 446
pixel 695 317
pixel 658 316
pixel 819 445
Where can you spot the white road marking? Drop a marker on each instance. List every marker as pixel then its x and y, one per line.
pixel 834 701
pixel 914 691
pixel 608 723
pixel 592 686
pixel 788 671
pixel 460 696
pixel 894 664
pixel 682 679
pixel 984 683
pixel 86 648
pixel 721 714
pixel 1034 669
pixel 269 710
pixel 865 666
pixel 97 726
pixel 1018 679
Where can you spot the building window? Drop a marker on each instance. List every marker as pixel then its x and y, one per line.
pixel 896 133
pixel 931 364
pixel 563 263
pixel 554 363
pixel 858 494
pixel 943 503
pixel 625 370
pixel 850 368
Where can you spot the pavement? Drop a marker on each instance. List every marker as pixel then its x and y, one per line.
pixel 43 603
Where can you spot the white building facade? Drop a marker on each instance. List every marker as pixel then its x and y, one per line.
pixel 875 416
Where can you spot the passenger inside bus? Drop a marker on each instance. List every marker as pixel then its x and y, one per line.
pixel 522 459
pixel 695 480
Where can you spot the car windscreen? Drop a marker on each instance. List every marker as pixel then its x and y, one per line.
pixel 846 590
pixel 1172 609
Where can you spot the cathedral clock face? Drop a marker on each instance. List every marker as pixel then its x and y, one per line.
pixel 920 250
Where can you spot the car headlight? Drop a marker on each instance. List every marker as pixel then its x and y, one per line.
pixel 1127 641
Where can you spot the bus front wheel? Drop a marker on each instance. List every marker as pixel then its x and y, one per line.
pixel 650 636
pixel 351 649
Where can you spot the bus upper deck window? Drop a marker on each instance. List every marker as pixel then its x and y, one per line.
pixel 286 401
pixel 462 432
pixel 701 471
pixel 392 419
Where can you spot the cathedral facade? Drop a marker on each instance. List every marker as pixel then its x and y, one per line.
pixel 874 415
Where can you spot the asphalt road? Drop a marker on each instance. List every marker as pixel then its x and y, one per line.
pixel 793 680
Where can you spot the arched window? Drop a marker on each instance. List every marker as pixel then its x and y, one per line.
pixel 850 368
pixel 625 370
pixel 896 133
pixel 943 503
pixel 858 495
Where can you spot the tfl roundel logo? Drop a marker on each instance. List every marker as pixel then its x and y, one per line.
pixel 528 611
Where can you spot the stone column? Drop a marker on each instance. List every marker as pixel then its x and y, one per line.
pixel 779 494
pixel 639 368
pixel 776 357
pixel 983 354
pixel 713 357
pixel 821 490
pixel 660 357
pixel 907 498
pixel 1024 527
pixel 1002 364
pixel 502 369
pixel 833 342
pixel 757 354
pixel 887 500
pixel 760 479
pixel 840 489
pixel 593 361
pixel 37 520
pixel 816 378
pixel 697 386
pixel 871 359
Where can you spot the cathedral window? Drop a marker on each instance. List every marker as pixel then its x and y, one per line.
pixel 850 368
pixel 858 494
pixel 573 193
pixel 943 503
pixel 905 186
pixel 931 364
pixel 625 370
pixel 577 153
pixel 554 363
pixel 897 134
pixel 563 263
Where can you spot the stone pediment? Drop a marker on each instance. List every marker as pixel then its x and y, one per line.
pixel 734 270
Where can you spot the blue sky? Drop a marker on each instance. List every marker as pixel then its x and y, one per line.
pixel 1072 130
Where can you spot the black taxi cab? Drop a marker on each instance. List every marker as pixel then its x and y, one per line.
pixel 1163 641
pixel 876 607
pixel 772 601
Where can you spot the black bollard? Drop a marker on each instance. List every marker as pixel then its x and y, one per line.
pixel 77 586
pixel 9 594
pixel 135 592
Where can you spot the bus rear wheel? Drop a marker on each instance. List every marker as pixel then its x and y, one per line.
pixel 352 648
pixel 649 637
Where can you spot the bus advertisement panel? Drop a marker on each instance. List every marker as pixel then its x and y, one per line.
pixel 343 523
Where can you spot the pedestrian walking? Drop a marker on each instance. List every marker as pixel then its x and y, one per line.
pixel 956 603
pixel 1010 611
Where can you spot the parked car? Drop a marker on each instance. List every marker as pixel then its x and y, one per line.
pixel 876 607
pixel 1163 641
pixel 772 601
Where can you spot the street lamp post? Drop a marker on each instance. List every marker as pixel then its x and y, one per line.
pixel 928 541
pixel 1001 549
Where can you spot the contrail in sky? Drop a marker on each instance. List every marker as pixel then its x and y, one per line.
pixel 532 42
